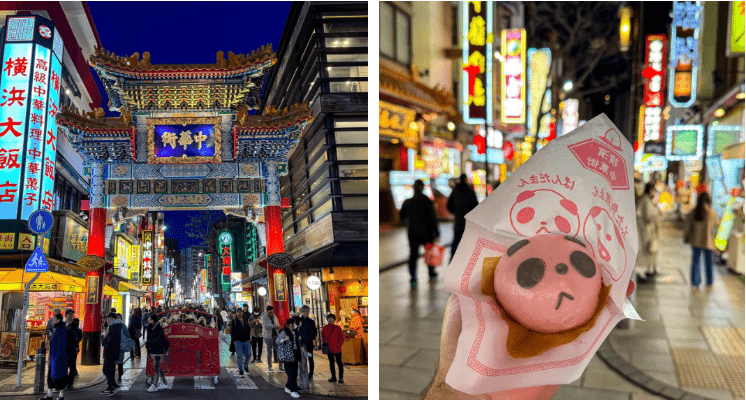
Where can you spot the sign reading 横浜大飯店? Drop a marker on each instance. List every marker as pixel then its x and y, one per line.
pixel 30 83
pixel 184 140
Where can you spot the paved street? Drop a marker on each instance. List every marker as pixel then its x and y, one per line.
pixel 691 339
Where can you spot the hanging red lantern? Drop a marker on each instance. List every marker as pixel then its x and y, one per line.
pixel 508 150
pixel 481 143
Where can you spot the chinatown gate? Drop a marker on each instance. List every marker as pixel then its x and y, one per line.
pixel 184 141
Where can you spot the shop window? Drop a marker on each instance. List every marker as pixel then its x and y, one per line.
pixel 351 137
pixel 318 164
pixel 353 170
pixel 355 203
pixel 347 71
pixel 354 187
pixel 348 86
pixel 352 153
pixel 395 38
pixel 302 223
pixel 322 210
pixel 348 123
pixel 346 42
pixel 318 180
pixel 347 57
pixel 316 199
pixel 348 26
pixel 287 234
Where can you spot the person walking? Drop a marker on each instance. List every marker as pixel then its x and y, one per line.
pixel 700 228
pixel 270 326
pixel 135 330
pixel 232 347
pixel 462 200
pixel 49 331
pixel 240 335
pixel 303 382
pixel 76 335
pixel 288 334
pixel 334 338
pixel 647 225
pixel 111 344
pixel 59 349
pixel 128 339
pixel 157 347
pixel 257 339
pixel 308 333
pixel 422 228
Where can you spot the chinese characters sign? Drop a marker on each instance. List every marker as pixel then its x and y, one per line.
pixel 477 61
pixel 513 77
pixel 539 62
pixel 398 122
pixel 147 258
pixel 29 97
pixel 682 67
pixel 655 59
pixel 226 252
pixel 570 115
pixel 75 243
pixel 184 140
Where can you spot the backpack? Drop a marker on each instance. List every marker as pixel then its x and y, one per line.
pixel 126 344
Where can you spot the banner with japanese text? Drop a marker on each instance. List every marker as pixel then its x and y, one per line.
pixel 146 272
pixel 477 61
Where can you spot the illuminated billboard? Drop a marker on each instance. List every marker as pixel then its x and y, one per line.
pixel 684 142
pixel 682 67
pixel 570 115
pixel 653 99
pixel 146 271
pixel 477 61
pixel 539 62
pixel 30 91
pixel 513 77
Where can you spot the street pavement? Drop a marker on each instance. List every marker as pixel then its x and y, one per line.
pixel 258 384
pixel 691 339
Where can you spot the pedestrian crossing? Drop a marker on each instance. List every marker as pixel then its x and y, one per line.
pixel 134 379
pixel 241 382
pixel 128 378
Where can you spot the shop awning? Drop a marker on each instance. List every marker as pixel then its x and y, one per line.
pixel 16 279
pixel 406 89
pixel 110 291
pixel 131 289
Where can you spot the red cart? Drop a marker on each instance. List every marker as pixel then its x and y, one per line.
pixel 194 345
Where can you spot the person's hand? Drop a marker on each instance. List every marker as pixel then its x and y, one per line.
pixel 439 390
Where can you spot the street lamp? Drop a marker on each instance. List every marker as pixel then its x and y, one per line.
pixel 567 87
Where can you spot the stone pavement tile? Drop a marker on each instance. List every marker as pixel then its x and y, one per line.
pixel 424 359
pixel 652 361
pixel 710 393
pixel 673 321
pixel 608 380
pixel 396 395
pixel 421 340
pixel 639 345
pixel 646 396
pixel 407 380
pixel 385 335
pixel 684 343
pixel 394 354
pixel 663 376
pixel 684 333
pixel 578 393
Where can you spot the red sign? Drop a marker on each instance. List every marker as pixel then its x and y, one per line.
pixel 653 93
pixel 508 150
pixel 481 143
pixel 604 158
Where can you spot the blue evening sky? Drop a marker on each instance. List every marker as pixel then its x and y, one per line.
pixel 186 33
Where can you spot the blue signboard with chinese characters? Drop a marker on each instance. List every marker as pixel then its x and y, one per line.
pixel 189 140
pixel 27 110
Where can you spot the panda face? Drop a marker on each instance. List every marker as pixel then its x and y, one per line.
pixel 602 233
pixel 548 283
pixel 544 211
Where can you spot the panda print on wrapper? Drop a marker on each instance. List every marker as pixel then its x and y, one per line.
pixel 544 211
pixel 605 239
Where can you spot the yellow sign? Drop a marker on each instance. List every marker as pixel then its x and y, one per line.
pixel 398 122
pixel 55 287
pixel 513 77
pixel 26 242
pixel 134 269
pixel 7 241
pixel 736 27
pixel 45 248
pixel 122 256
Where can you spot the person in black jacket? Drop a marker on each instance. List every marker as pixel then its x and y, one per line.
pixel 308 333
pixel 157 346
pixel 134 327
pixel 240 335
pixel 291 368
pixel 422 228
pixel 112 341
pixel 462 200
pixel 75 335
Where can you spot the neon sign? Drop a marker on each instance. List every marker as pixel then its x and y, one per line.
pixel 570 115
pixel 722 136
pixel 539 62
pixel 726 225
pixel 226 252
pixel 513 77
pixel 684 142
pixel 682 67
pixel 655 58
pixel 147 258
pixel 477 61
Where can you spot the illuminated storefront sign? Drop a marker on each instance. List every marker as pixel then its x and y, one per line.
pixel 147 258
pixel 736 28
pixel 203 284
pixel 492 156
pixel 477 61
pixel 651 163
pixel 570 115
pixel 721 136
pixel 29 90
pixel 122 256
pixel 726 225
pixel 655 60
pixel 186 140
pixel 684 142
pixel 513 77
pixel 226 252
pixel 441 159
pixel 236 282
pixel 75 242
pixel 682 68
pixel 398 122
pixel 539 62
pixel 134 272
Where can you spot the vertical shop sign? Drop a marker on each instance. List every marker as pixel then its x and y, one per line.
pixel 539 63
pixel 226 258
pixel 736 28
pixel 146 273
pixel 513 77
pixel 280 290
pixel 92 289
pixel 134 272
pixel 570 115
pixel 477 61
pixel 682 67
pixel 653 99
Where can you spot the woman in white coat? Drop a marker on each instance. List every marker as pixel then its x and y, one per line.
pixel 648 216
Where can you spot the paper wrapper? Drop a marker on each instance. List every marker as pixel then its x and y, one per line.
pixel 591 167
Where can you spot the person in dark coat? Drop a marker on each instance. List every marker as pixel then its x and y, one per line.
pixel 462 200
pixel 157 347
pixel 308 333
pixel 59 347
pixel 135 328
pixel 76 335
pixel 291 368
pixel 422 227
pixel 241 336
pixel 112 343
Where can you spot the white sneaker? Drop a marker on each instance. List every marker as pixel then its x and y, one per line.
pixel 287 390
pixel 162 386
pixel 295 395
pixel 152 389
pixel 270 370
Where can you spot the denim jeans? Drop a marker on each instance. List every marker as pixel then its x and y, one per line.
pixel 271 350
pixel 157 360
pixel 696 275
pixel 243 349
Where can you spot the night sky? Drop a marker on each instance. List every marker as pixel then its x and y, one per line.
pixel 186 33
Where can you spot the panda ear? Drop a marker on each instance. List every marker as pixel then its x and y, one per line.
pixel 515 247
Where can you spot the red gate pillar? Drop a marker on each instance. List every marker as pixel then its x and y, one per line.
pixel 275 244
pixel 91 349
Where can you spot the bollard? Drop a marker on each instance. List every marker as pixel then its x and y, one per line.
pixel 41 363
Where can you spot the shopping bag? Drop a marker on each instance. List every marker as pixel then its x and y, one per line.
pixel 434 254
